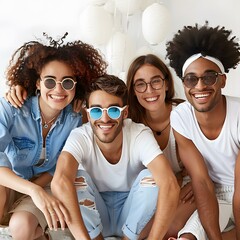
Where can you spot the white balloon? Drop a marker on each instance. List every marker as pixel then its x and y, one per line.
pixel 128 7
pixel 96 25
pixel 155 23
pixel 120 52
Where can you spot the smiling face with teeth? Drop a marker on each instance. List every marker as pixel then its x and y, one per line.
pixel 106 130
pixel 151 98
pixel 204 98
pixel 54 100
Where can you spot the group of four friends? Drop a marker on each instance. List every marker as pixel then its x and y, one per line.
pixel 144 165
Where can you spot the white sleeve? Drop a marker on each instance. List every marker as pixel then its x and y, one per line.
pixel 181 121
pixel 77 145
pixel 147 147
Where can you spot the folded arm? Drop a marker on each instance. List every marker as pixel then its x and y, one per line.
pixel 168 196
pixel 50 206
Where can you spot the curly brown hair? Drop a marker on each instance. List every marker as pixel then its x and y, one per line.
pixel 28 61
pixel 215 42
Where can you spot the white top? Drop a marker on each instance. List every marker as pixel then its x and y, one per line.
pixel 220 154
pixel 138 150
pixel 170 152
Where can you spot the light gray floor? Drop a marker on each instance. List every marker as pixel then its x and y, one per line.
pixel 5 235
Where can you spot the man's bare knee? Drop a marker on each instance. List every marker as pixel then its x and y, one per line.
pixel 80 183
pixel 88 203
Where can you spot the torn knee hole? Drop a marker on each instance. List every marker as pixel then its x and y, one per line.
pixel 148 182
pixel 80 183
pixel 87 203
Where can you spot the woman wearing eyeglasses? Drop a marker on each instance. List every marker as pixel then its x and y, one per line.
pixel 31 137
pixel 151 100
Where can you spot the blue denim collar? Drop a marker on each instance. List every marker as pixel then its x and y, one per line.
pixel 35 110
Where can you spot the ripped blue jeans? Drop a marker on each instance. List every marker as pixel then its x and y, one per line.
pixel 117 213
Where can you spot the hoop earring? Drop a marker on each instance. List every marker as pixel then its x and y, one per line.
pixel 37 92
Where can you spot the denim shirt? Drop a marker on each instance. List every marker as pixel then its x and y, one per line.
pixel 21 140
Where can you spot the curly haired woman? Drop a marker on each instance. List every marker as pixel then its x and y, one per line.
pixel 32 137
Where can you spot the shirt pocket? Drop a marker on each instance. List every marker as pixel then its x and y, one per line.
pixel 23 147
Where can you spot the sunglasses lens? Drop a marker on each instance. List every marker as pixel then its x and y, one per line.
pixel 50 83
pixel 68 84
pixel 210 78
pixel 190 81
pixel 96 113
pixel 114 112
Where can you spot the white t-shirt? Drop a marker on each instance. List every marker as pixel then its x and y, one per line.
pixel 219 154
pixel 170 152
pixel 138 150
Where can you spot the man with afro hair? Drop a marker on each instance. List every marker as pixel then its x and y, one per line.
pixel 207 129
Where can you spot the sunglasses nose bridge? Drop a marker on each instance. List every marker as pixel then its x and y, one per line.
pixel 60 86
pixel 199 82
pixel 105 115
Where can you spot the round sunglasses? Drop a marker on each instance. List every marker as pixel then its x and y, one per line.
pixel 51 83
pixel 114 112
pixel 208 79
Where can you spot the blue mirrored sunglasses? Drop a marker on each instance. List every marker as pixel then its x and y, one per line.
pixel 114 112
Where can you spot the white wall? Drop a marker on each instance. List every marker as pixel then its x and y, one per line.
pixel 25 20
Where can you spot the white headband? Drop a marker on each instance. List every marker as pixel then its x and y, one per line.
pixel 198 55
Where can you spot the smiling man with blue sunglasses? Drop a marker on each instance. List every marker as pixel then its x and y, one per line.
pixel 126 188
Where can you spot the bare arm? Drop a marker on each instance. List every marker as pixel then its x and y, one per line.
pixel 42 180
pixel 63 188
pixel 203 187
pixel 167 197
pixel 236 197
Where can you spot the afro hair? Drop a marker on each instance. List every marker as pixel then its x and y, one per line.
pixel 215 42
